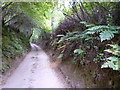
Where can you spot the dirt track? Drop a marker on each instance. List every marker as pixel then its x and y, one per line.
pixel 35 72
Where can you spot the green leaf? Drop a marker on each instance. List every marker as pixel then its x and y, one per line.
pixel 113 58
pixel 61 35
pixel 114 50
pixel 115 65
pixel 90 25
pixel 79 51
pixel 61 40
pixel 107 35
pixel 96 47
pixel 109 64
pixel 60 56
pixel 114 45
pixel 84 22
pixel 72 38
pixel 87 24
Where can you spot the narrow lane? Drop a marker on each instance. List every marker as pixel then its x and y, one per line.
pixel 35 72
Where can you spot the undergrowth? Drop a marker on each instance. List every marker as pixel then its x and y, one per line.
pixel 13 44
pixel 90 44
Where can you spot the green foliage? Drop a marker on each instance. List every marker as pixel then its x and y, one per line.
pixel 87 24
pixel 54 43
pixel 78 51
pixel 99 57
pixel 115 50
pixel 78 55
pixel 60 56
pixel 35 35
pixel 105 32
pixel 111 64
pixel 102 32
pixel 13 44
pixel 113 61
pixel 113 58
pixel 38 11
pixel 71 36
pixel 107 35
pixel 62 39
pixel 5 67
pixel 60 35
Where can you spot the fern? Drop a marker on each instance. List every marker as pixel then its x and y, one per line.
pixel 115 50
pixel 96 29
pixel 107 35
pixel 115 46
pixel 111 64
pixel 105 32
pixel 113 58
pixel 113 61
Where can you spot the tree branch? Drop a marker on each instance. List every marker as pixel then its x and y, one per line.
pixel 102 6
pixel 76 11
pixel 5 6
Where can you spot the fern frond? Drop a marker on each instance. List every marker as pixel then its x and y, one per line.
pixel 114 50
pixel 100 28
pixel 113 58
pixel 87 24
pixel 111 64
pixel 115 46
pixel 107 35
pixel 97 29
pixel 106 32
